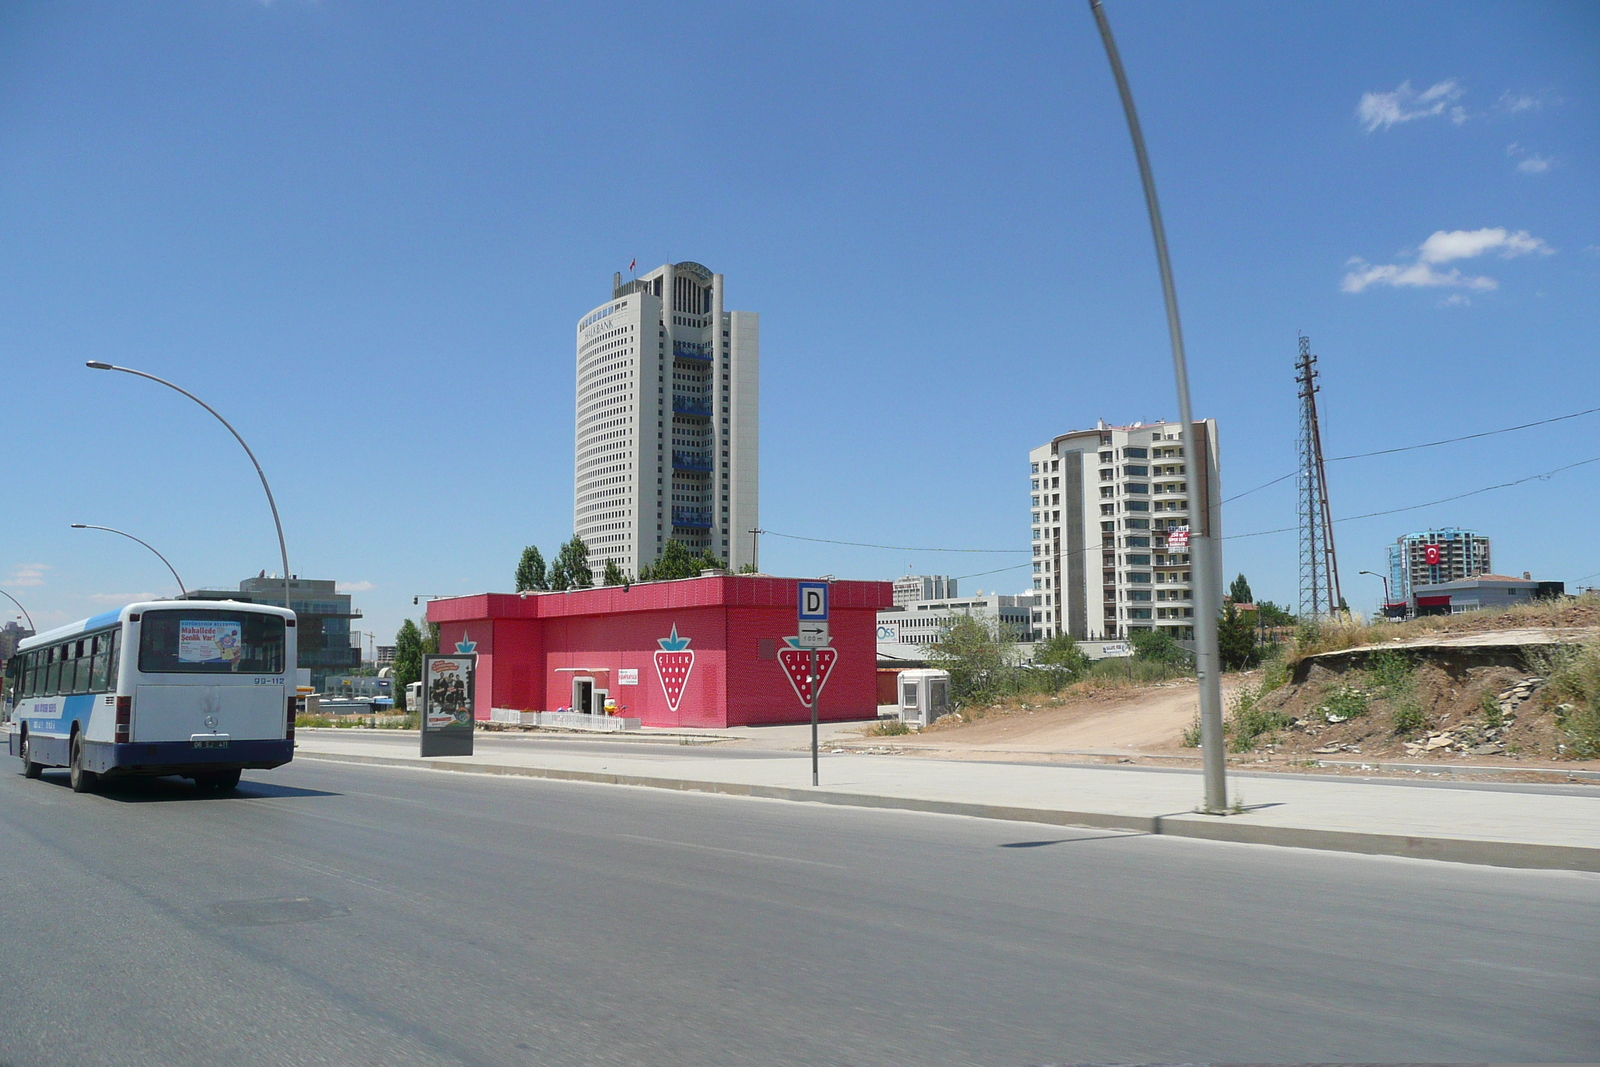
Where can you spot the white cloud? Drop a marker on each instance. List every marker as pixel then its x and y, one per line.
pixel 1514 103
pixel 123 598
pixel 1442 246
pixel 1445 246
pixel 1591 250
pixel 1533 165
pixel 354 587
pixel 27 574
pixel 1382 110
pixel 1454 300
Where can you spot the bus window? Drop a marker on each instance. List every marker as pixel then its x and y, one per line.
pixel 83 660
pixel 113 660
pixel 102 653
pixel 52 677
pixel 203 641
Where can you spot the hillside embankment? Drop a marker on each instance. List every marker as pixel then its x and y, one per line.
pixel 1510 691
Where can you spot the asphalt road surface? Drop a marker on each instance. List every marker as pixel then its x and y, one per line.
pixel 344 914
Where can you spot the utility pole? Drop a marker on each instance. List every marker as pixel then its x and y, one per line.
pixel 1320 596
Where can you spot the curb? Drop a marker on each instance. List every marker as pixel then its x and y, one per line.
pixel 1516 854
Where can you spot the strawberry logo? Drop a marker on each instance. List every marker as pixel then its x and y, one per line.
pixel 673 663
pixel 796 663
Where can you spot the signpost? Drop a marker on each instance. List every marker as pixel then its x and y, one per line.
pixel 812 602
pixel 447 706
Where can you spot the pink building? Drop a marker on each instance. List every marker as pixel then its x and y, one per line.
pixel 715 651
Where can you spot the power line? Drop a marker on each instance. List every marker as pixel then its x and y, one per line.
pixel 897 548
pixel 1412 448
pixel 1017 567
pixel 1431 503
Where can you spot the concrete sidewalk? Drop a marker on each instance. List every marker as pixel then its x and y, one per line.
pixel 1504 829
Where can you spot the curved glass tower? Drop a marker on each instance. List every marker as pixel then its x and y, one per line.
pixel 667 425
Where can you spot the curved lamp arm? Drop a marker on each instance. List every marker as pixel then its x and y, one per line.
pixel 129 536
pixel 282 546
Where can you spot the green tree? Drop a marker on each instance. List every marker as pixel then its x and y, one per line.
pixel 1274 614
pixel 1236 638
pixel 748 568
pixel 709 560
pixel 531 574
pixel 613 574
pixel 675 562
pixel 979 655
pixel 409 645
pixel 1157 646
pixel 574 559
pixel 1239 591
pixel 1062 653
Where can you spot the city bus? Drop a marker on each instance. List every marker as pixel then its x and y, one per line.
pixel 197 689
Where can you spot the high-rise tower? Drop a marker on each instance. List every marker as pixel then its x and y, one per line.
pixel 667 435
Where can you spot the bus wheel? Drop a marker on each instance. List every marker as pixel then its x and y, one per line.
pixel 219 781
pixel 82 780
pixel 30 769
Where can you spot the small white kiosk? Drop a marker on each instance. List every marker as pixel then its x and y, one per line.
pixel 924 695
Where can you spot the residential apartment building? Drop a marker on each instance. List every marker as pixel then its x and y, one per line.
pixel 924 622
pixel 1102 504
pixel 1433 557
pixel 923 587
pixel 666 440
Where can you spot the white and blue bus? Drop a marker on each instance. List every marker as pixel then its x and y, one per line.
pixel 199 689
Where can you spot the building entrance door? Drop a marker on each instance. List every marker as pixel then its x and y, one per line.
pixel 583 695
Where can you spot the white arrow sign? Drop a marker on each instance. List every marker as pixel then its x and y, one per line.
pixel 813 635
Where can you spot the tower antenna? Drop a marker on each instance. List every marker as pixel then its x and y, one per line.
pixel 1320 597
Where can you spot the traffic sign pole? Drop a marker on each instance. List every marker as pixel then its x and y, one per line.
pixel 813 716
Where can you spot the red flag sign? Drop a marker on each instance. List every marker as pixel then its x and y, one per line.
pixel 1430 555
pixel 1178 537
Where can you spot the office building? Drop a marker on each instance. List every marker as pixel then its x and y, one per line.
pixel 1102 504
pixel 923 587
pixel 667 422
pixel 323 617
pixel 1434 557
pixel 1483 592
pixel 924 622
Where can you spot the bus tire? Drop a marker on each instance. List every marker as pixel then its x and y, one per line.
pixel 83 781
pixel 218 781
pixel 30 769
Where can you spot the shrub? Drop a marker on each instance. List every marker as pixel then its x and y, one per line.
pixel 1274 672
pixel 1408 717
pixel 1191 733
pixel 1157 646
pixel 1248 720
pixel 1493 717
pixel 890 728
pixel 1345 702
pixel 1390 672
pixel 1573 684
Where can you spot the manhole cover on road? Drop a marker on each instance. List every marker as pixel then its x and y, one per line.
pixel 276 911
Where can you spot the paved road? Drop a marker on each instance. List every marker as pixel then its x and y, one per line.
pixel 338 914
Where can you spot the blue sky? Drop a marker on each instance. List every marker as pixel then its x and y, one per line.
pixel 365 231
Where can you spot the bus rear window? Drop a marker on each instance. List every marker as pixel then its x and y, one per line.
pixel 203 641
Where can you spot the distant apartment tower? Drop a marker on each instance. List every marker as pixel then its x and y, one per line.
pixel 1430 557
pixel 1102 503
pixel 667 423
pixel 914 587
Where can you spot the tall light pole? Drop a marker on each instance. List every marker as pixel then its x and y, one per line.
pixel 1385 578
pixel 1208 590
pixel 273 504
pixel 22 609
pixel 85 526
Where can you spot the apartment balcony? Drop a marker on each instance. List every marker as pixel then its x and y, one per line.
pixel 691 518
pixel 684 405
pixel 691 461
pixel 690 350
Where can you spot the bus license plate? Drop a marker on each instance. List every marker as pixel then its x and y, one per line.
pixel 215 742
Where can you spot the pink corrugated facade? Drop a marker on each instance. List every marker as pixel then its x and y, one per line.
pixel 722 667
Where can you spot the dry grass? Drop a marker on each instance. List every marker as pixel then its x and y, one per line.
pixel 1333 637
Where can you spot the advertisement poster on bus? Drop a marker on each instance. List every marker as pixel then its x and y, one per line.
pixel 446 712
pixel 209 641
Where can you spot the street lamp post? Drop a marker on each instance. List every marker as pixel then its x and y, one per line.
pixel 1385 579
pixel 184 593
pixel 283 547
pixel 22 609
pixel 1208 591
